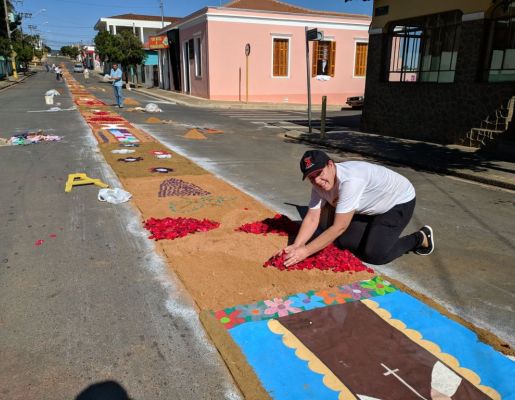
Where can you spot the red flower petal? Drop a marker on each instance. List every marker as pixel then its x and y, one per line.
pixel 331 258
pixel 173 228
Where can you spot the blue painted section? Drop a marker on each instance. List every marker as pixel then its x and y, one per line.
pixel 151 58
pixel 494 369
pixel 281 372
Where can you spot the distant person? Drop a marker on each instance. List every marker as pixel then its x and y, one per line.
pixel 367 207
pixel 57 71
pixel 53 68
pixel 86 74
pixel 47 67
pixel 116 78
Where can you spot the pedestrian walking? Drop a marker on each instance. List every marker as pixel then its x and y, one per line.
pixel 116 77
pixel 86 74
pixel 57 71
pixel 364 207
pixel 47 67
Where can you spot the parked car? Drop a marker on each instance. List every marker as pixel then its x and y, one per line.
pixel 78 68
pixel 355 101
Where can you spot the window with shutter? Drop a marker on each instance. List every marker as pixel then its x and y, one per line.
pixel 360 63
pixel 324 57
pixel 280 57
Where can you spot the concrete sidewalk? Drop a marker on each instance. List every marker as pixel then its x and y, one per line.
pixel 4 84
pixel 460 161
pixel 193 101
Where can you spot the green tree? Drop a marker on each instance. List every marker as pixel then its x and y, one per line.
pixel 132 49
pixel 103 45
pixel 5 46
pixel 24 52
pixel 132 53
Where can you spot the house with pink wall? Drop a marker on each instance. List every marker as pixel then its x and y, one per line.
pixel 255 50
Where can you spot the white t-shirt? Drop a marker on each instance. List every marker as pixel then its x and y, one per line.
pixel 367 188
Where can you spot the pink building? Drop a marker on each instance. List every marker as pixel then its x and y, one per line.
pixel 207 54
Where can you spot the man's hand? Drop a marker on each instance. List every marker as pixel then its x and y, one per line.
pixel 286 250
pixel 295 255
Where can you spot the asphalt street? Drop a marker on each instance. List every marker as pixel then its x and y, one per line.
pixel 94 302
pixel 84 298
pixel 471 271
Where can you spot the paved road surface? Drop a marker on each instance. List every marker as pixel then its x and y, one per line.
pixel 94 302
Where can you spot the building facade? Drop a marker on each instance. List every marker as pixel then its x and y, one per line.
pixel 250 50
pixel 436 69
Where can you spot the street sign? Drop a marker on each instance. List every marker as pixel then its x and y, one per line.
pixel 314 34
pixel 158 42
pixel 247 49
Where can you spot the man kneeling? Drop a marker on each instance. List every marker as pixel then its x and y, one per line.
pixel 371 205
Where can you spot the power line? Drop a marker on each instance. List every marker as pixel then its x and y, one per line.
pixel 104 5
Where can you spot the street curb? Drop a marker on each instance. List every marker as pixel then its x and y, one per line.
pixel 17 82
pixel 243 106
pixel 424 167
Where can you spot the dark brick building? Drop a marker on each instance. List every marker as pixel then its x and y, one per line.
pixel 438 68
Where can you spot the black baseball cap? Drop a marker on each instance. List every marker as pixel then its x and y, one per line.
pixel 311 161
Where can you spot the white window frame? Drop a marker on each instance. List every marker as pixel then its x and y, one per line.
pixel 356 41
pixel 197 50
pixel 288 37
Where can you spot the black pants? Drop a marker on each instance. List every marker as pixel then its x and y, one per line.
pixel 375 238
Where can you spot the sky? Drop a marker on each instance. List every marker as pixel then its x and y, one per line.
pixel 65 22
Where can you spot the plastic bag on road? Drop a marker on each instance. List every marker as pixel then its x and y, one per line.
pixel 114 196
pixel 152 108
pixel 52 92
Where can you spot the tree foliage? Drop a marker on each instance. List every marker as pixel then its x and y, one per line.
pixel 5 46
pixel 124 48
pixel 24 51
pixel 132 48
pixel 70 51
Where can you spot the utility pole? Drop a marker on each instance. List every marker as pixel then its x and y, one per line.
pixel 162 14
pixel 161 51
pixel 13 54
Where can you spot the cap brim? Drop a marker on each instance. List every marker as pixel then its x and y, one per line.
pixel 311 172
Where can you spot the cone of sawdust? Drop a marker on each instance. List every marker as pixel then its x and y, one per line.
pixel 131 102
pixel 194 134
pixel 153 120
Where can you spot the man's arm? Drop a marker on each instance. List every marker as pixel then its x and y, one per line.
pixel 299 253
pixel 308 227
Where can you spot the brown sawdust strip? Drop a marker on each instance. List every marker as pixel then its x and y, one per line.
pixel 243 373
pixel 179 164
pixel 153 120
pixel 195 135
pixel 222 267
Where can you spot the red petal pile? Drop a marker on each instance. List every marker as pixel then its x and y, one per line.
pixel 279 224
pixel 173 228
pixel 331 258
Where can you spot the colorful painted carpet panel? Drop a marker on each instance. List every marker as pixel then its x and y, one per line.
pixel 293 304
pixel 123 135
pixel 389 346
